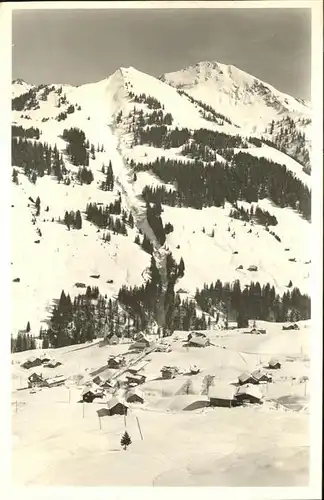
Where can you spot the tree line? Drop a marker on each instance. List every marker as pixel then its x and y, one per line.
pixel 262 217
pixel 108 183
pixel 89 316
pixel 247 178
pixel 102 218
pixel 73 219
pixel 37 159
pixel 76 148
pixel 29 133
pixel 253 301
pixel 23 342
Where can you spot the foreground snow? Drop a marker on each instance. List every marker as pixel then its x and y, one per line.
pixel 56 442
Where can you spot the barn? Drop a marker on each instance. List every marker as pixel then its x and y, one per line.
pixel 246 378
pixel 140 344
pixel 169 372
pixel 261 376
pixel 52 363
pixel 116 361
pixel 248 393
pixel 89 394
pixel 274 364
pixel 199 341
pixel 116 407
pixel 135 396
pixel 36 380
pixel 222 395
pixel 113 340
pixel 133 378
pixel 32 362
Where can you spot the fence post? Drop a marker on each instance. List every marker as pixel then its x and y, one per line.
pixel 82 409
pixel 139 428
pixel 99 422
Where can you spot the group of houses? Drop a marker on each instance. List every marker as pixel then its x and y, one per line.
pixel 43 360
pixel 246 391
pixel 226 395
pixel 37 380
pixel 120 406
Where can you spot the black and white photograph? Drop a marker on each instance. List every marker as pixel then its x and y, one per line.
pixel 161 261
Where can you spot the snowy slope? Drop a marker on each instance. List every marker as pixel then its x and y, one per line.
pixel 58 442
pixel 208 257
pixel 66 257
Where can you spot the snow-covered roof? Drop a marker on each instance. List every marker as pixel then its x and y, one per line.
pixel 249 390
pixel 258 374
pixel 244 376
pixel 55 380
pixel 273 361
pixel 199 340
pixel 222 391
pixel 111 403
pixel 136 392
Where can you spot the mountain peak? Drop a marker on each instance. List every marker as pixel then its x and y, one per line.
pixel 19 81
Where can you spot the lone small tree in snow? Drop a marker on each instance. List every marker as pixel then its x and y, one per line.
pixel 125 440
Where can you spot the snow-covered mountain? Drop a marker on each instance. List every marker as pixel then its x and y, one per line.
pixel 250 103
pixel 133 119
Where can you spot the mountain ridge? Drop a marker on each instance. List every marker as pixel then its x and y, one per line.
pixel 131 119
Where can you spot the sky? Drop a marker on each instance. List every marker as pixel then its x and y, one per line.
pixel 82 46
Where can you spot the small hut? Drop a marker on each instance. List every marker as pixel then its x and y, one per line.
pixel 248 393
pixel 141 344
pixel 261 376
pixel 222 395
pixel 36 380
pixel 52 363
pixel 116 361
pixel 246 378
pixel 98 380
pixel 89 394
pixel 135 396
pixel 113 340
pixel 169 372
pixel 32 362
pixel 274 364
pixel 133 378
pixel 109 384
pixel 116 406
pixel 199 341
pixel 45 358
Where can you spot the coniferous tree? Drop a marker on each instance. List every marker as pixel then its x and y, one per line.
pixel 125 440
pixel 28 327
pixel 15 176
pixel 78 220
pixel 37 205
pixel 181 270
